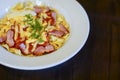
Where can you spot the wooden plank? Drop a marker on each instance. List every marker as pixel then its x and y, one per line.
pixel 31 75
pixel 104 7
pixel 101 50
pixel 83 60
pixel 3 73
pixel 115 43
pixel 82 63
pixel 116 8
pixel 40 75
pixel 88 5
pixel 64 71
pixel 115 53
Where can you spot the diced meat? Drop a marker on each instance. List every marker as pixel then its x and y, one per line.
pixel 54 17
pixel 51 20
pixel 42 43
pixel 2 39
pixel 57 33
pixel 22 47
pixel 47 9
pixel 49 48
pixel 49 13
pixel 51 17
pixel 30 47
pixel 47 37
pixel 38 9
pixel 63 28
pixel 18 42
pixel 17 45
pixel 10 41
pixel 39 50
pixel 25 29
pixel 12 27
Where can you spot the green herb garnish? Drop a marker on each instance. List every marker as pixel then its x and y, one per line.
pixel 35 26
pixel 41 40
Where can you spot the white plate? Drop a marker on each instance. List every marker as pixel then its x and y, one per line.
pixel 79 27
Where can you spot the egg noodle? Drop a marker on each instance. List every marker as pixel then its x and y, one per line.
pixel 32 30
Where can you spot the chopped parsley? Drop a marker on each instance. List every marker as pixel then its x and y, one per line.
pixel 35 26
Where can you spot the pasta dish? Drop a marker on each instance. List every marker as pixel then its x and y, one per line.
pixel 33 30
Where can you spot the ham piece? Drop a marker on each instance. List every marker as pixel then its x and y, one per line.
pixel 10 41
pixel 38 9
pixel 49 48
pixel 23 49
pixel 63 28
pixel 2 39
pixel 54 17
pixel 39 50
pixel 57 33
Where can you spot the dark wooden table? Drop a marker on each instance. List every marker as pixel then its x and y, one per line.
pixel 99 59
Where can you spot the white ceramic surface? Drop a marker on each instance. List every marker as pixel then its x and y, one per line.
pixel 79 29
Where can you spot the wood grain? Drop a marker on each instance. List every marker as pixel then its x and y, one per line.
pixel 115 54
